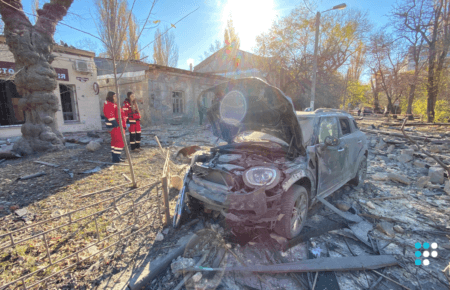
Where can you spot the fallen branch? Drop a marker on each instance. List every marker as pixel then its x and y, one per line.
pixel 103 190
pixel 126 177
pixel 31 176
pixel 46 163
pixel 446 168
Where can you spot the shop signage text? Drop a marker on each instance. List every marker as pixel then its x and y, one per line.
pixel 8 69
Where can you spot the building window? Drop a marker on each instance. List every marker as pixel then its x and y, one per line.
pixel 69 103
pixel 10 114
pixel 177 102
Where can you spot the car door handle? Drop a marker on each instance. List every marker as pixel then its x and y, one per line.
pixel 341 149
pixel 359 141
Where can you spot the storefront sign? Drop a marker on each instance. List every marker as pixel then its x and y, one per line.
pixel 62 74
pixel 9 69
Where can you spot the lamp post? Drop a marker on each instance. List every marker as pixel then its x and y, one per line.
pixel 316 44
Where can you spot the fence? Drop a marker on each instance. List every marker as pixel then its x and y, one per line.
pixel 133 210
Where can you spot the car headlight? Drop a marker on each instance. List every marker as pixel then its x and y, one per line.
pixel 262 176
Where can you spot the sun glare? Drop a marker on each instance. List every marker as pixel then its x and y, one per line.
pixel 250 18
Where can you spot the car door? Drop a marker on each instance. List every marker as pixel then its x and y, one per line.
pixel 330 158
pixel 348 142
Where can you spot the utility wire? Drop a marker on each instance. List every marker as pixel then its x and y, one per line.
pixel 60 22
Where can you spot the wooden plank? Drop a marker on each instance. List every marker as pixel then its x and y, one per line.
pixel 165 188
pixel 358 263
pixel 165 180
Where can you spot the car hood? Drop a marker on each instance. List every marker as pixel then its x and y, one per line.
pixel 250 104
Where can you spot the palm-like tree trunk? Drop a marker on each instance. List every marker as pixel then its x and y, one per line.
pixel 32 47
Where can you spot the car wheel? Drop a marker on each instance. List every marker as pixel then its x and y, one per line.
pixel 295 210
pixel 358 181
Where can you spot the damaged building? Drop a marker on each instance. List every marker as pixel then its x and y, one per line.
pixel 76 86
pixel 237 64
pixel 166 95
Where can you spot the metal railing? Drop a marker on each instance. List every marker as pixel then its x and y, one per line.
pixel 138 207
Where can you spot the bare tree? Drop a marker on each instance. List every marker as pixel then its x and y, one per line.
pixel 165 51
pixel 32 47
pixel 387 64
pixel 212 49
pixel 431 19
pixel 414 38
pixel 290 45
pixel 112 25
pixel 34 9
pixel 87 44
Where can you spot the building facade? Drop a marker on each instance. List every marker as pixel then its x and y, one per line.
pixel 237 64
pixel 165 95
pixel 77 89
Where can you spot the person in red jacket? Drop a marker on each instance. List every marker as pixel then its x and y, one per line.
pixel 134 118
pixel 111 112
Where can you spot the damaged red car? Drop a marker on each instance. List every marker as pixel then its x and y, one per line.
pixel 276 161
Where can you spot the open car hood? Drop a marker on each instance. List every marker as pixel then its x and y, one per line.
pixel 250 104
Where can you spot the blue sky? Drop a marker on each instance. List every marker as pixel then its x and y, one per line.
pixel 195 33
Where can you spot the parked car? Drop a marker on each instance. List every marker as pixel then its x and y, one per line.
pixel 272 179
pixel 367 111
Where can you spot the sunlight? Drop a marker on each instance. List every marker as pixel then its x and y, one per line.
pixel 250 18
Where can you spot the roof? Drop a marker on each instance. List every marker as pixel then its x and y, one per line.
pixel 213 56
pixel 64 49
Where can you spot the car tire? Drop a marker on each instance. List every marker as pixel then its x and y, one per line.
pixel 358 180
pixel 295 209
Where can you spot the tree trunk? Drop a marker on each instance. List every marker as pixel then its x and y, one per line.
pixel 410 101
pixel 32 47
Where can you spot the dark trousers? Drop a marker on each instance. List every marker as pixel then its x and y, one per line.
pixel 138 140
pixel 135 140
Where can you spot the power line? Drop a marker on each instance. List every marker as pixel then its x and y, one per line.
pixel 60 22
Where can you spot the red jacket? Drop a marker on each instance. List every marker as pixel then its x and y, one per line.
pixel 111 112
pixel 133 116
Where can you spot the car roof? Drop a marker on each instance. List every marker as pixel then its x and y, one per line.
pixel 324 112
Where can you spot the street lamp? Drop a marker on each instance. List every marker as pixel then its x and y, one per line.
pixel 316 44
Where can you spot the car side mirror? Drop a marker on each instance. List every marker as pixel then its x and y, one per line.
pixel 331 141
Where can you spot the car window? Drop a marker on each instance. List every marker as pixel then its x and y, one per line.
pixel 328 127
pixel 307 126
pixel 345 126
pixel 356 125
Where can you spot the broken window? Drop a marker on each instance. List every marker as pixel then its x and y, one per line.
pixel 345 126
pixel 10 113
pixel 177 102
pixel 328 127
pixel 69 103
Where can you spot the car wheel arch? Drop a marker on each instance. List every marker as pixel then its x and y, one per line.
pixel 307 184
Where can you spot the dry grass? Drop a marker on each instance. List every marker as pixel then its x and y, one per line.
pixel 56 193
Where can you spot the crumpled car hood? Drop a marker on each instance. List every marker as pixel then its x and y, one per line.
pixel 250 104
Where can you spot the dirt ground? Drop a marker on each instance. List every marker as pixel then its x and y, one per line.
pixel 421 213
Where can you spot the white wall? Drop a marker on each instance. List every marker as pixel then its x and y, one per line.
pixel 88 102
